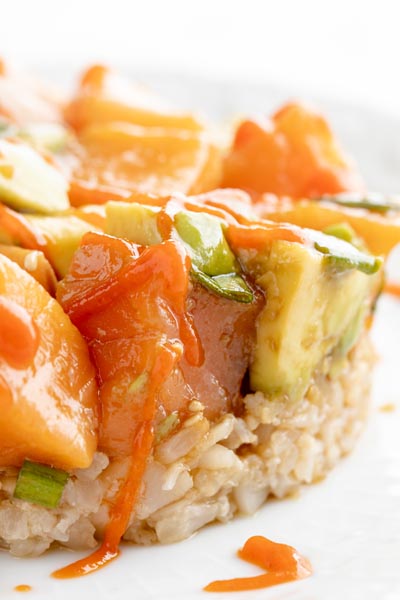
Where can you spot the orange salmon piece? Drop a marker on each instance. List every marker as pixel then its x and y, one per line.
pixel 295 154
pixel 48 392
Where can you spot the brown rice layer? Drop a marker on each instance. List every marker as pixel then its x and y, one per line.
pixel 207 471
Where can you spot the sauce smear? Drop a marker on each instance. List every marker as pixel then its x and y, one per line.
pixel 392 288
pixel 22 588
pixel 283 563
pixel 19 337
pixel 120 513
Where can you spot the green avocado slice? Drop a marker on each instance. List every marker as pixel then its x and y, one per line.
pixel 30 183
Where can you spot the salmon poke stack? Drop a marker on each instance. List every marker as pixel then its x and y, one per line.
pixel 183 324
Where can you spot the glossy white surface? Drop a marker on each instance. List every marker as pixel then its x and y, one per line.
pixel 348 525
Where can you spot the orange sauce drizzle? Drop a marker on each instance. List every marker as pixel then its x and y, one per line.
pixel 83 192
pixel 241 232
pixel 19 336
pixel 209 209
pixel 191 342
pixel 282 563
pixel 135 274
pixel 258 236
pixel 392 288
pixel 120 513
pixel 389 407
pixel 22 588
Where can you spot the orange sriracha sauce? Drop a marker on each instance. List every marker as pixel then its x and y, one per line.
pixel 129 303
pixel 392 288
pixel 282 563
pixel 139 293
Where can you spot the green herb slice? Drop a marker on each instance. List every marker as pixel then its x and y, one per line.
pixel 373 202
pixel 40 484
pixel 167 426
pixel 342 255
pixel 230 285
pixel 204 238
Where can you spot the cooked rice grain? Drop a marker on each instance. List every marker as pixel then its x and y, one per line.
pixel 206 472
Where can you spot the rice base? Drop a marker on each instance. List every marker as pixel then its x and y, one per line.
pixel 206 471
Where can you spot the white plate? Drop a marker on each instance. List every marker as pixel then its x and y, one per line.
pixel 348 525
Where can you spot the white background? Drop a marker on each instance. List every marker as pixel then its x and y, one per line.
pixel 346 49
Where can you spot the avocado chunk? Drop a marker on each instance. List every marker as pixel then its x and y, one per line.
pixel 135 222
pixel 52 137
pixel 30 183
pixel 63 235
pixel 309 309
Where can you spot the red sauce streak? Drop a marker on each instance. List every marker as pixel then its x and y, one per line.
pixel 282 562
pixel 213 211
pixel 22 588
pixel 258 236
pixel 19 336
pixel 392 288
pixel 149 199
pixel 85 192
pixel 136 273
pixel 175 265
pixel 165 222
pixel 121 511
pixel 227 210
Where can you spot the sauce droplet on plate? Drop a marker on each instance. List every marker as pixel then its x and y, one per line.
pixel 392 288
pixel 389 407
pixel 282 563
pixel 22 588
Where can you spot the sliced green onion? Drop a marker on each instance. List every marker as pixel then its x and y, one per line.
pixel 139 383
pixel 372 202
pixel 204 238
pixel 40 484
pixel 345 232
pixel 166 426
pixel 342 255
pixel 230 285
